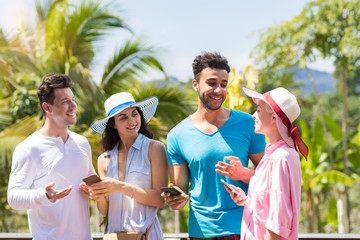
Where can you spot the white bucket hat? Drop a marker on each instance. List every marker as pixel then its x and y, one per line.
pixel 286 109
pixel 119 102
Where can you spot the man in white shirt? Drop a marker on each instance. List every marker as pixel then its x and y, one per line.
pixel 48 168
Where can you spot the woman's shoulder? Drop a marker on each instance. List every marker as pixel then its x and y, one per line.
pixel 286 155
pixel 157 150
pixel 102 157
pixel 156 145
pixel 101 163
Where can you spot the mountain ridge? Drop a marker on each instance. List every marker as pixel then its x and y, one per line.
pixel 324 81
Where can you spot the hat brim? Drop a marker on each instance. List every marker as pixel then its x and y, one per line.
pixel 147 106
pixel 283 130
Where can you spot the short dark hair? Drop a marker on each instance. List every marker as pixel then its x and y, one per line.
pixel 209 60
pixel 49 83
pixel 111 137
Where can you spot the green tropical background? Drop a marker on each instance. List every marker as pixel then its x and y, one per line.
pixel 67 36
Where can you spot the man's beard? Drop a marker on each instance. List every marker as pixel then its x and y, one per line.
pixel 206 103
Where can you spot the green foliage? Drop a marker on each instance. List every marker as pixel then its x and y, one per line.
pixel 22 128
pixel 317 175
pixel 5 115
pixel 23 103
pixel 324 29
pixel 130 60
pixel 65 38
pixel 332 177
pixel 332 106
pixel 67 35
pixel 354 153
pixel 331 216
pixel 335 129
pixel 356 138
pixel 10 220
pixel 234 99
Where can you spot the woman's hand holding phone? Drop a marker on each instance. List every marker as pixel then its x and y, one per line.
pixel 236 193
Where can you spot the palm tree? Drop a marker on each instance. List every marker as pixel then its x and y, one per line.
pixel 318 176
pixel 65 39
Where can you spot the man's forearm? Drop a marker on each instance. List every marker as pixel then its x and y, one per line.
pixel 24 199
pixel 248 173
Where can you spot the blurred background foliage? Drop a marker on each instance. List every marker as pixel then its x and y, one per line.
pixel 67 36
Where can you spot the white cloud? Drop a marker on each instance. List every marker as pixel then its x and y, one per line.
pixel 325 65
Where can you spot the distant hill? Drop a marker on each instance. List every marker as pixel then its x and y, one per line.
pixel 324 81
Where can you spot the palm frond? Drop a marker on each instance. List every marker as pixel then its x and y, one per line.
pixel 332 177
pixel 3 40
pixel 172 107
pixel 88 23
pixel 22 128
pixel 5 115
pixel 132 58
pixel 18 60
pixel 44 7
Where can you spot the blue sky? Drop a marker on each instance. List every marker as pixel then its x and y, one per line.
pixel 183 29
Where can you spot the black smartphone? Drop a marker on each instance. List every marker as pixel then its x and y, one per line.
pixel 173 191
pixel 91 180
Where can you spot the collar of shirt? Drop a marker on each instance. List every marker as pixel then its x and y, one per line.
pixel 270 148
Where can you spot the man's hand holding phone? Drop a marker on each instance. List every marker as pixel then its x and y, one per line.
pixel 87 182
pixel 173 191
pixel 174 196
pixel 236 193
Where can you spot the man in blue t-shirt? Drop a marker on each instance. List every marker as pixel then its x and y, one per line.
pixel 196 148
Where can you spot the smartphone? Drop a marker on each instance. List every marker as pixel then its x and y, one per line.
pixel 233 189
pixel 172 190
pixel 91 180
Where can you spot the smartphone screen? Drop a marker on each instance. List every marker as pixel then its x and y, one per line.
pixel 173 191
pixel 91 180
pixel 230 187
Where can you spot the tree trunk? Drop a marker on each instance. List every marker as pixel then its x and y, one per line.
pixel 344 195
pixel 310 212
pixel 341 204
pixel 317 212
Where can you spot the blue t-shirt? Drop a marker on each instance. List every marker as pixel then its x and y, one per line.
pixel 212 212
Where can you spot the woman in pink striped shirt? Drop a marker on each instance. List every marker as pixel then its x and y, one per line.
pixel 271 209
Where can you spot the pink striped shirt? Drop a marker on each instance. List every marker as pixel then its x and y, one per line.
pixel 274 195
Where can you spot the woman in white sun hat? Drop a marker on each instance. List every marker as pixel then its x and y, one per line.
pixel 133 167
pixel 271 209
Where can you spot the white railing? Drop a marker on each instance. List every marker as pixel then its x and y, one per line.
pixel 181 236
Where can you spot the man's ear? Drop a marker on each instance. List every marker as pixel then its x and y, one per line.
pixel 46 107
pixel 195 84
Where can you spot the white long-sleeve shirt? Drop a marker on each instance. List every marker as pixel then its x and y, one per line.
pixel 39 160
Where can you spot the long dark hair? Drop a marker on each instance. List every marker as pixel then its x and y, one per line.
pixel 111 137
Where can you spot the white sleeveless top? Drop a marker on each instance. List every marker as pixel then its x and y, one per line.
pixel 125 213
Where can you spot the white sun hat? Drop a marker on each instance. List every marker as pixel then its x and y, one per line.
pixel 119 102
pixel 286 109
